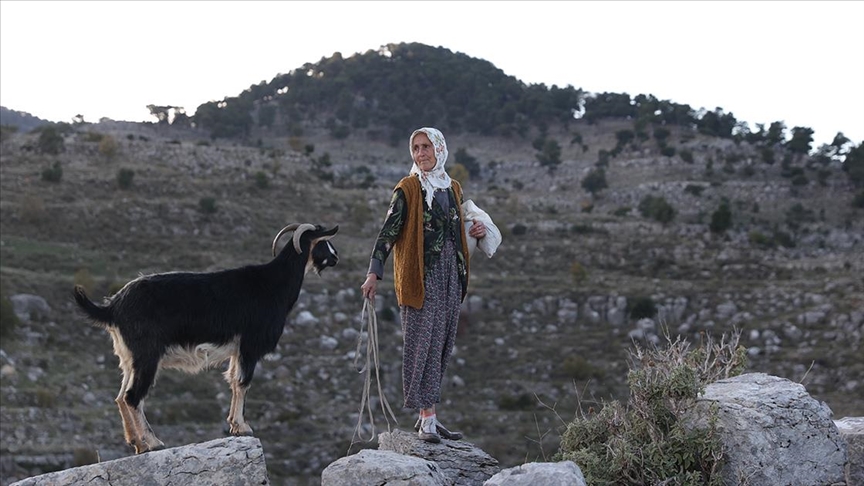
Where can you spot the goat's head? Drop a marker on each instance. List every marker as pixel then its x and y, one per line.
pixel 322 254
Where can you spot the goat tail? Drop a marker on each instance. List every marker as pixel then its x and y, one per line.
pixel 100 315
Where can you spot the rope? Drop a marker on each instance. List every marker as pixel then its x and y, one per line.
pixel 368 316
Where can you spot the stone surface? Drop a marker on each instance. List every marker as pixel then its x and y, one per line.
pixel 28 306
pixel 564 473
pixel 382 467
pixel 852 431
pixel 462 462
pixel 774 432
pixel 232 461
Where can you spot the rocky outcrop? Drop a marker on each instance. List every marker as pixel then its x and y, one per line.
pixel 852 431
pixel 238 461
pixel 462 462
pixel 774 432
pixel 564 473
pixel 383 467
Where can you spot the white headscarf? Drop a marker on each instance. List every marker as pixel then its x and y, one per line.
pixel 437 178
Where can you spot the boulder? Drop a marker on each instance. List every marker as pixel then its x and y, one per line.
pixel 852 431
pixel 29 306
pixel 230 461
pixel 564 473
pixel 382 467
pixel 774 432
pixel 462 463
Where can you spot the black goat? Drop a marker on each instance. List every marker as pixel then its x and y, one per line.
pixel 194 321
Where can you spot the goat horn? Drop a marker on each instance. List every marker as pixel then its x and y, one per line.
pixel 290 227
pixel 299 232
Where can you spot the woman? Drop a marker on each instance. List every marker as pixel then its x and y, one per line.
pixel 424 230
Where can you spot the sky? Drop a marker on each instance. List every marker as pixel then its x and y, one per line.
pixel 799 62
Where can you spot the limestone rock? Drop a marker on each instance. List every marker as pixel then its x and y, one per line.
pixel 774 432
pixel 564 473
pixel 27 306
pixel 852 431
pixel 231 461
pixel 462 463
pixel 382 467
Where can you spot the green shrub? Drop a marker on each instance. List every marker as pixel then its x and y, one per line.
pixel 519 229
pixel 8 319
pixel 523 401
pixel 656 208
pixel 721 219
pixel 652 440
pixel 694 189
pixel 595 181
pixel 622 211
pixel 50 141
pixel 858 200
pixel 108 146
pixel 207 205
pixel 54 173
pixel 686 155
pixel 578 368
pixel 759 239
pixel 578 272
pixel 668 151
pixel 124 178
pixel 261 180
pixel 641 308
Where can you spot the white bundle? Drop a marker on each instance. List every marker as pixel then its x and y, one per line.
pixel 488 244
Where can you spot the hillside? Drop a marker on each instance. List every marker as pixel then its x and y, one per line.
pixel 537 334
pixel 548 322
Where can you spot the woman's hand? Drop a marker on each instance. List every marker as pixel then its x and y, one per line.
pixel 369 286
pixel 478 229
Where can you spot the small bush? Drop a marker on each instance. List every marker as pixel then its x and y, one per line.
pixel 641 308
pixel 759 239
pixel 523 401
pixel 694 189
pixel 108 147
pixel 721 219
pixel 686 155
pixel 622 211
pixel 668 151
pixel 261 180
pixel 519 229
pixel 53 174
pixel 207 205
pixel 578 272
pixel 8 319
pixel 858 200
pixel 578 368
pixel 656 208
pixel 651 440
pixel 124 178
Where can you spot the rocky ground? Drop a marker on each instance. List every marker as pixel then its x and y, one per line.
pixel 539 339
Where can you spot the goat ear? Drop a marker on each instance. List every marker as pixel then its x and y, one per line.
pixel 327 234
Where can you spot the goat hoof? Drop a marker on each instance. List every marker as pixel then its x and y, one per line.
pixel 242 431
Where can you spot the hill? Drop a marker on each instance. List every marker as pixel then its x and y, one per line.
pixel 695 231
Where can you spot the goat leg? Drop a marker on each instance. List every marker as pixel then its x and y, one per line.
pixel 236 423
pixel 147 440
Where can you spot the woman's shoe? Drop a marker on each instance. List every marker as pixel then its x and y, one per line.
pixel 426 431
pixel 446 433
pixel 442 431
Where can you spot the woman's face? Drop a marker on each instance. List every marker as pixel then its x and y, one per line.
pixel 423 152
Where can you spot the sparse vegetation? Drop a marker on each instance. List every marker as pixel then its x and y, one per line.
pixel 651 439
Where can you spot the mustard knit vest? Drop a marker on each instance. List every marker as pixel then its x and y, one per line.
pixel 408 248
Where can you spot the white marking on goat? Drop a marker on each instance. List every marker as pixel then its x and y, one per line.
pixel 201 357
